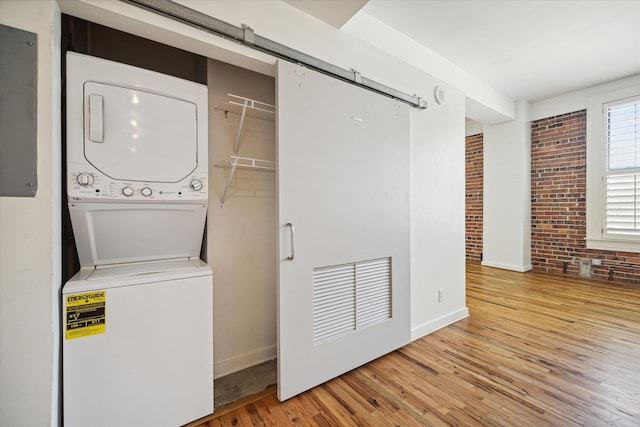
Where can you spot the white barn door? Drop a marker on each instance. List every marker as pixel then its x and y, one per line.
pixel 343 212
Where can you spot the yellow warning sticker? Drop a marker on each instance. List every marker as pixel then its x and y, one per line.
pixel 86 314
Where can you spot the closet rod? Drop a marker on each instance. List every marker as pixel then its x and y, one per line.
pixel 245 35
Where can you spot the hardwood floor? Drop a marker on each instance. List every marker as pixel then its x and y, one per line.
pixel 537 350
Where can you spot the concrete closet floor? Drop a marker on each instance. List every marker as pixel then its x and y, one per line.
pixel 238 385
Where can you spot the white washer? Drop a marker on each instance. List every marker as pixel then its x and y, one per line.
pixel 153 364
pixel 138 328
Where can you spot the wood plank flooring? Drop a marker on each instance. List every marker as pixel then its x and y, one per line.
pixel 537 350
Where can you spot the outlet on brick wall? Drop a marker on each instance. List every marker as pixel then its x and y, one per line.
pixel 558 203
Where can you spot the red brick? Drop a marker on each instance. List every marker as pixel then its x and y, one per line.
pixel 474 196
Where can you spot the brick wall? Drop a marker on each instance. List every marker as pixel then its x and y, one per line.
pixel 558 209
pixel 474 194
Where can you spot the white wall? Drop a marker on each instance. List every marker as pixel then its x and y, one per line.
pixel 241 234
pixel 30 245
pixel 576 101
pixel 507 193
pixel 471 127
pixel 437 214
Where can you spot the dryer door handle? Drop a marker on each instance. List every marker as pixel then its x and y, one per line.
pixel 96 118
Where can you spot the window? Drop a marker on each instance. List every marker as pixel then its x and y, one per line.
pixel 621 121
pixel 613 171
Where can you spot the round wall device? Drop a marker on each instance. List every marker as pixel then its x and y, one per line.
pixel 438 94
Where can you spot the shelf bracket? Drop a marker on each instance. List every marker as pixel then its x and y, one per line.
pixel 242 116
pixel 226 187
pixel 246 163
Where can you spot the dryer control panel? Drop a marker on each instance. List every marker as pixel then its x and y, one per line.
pixel 87 185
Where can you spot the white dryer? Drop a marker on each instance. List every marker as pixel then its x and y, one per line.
pixel 138 332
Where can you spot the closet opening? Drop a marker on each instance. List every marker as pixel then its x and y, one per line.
pixel 240 237
pixel 241 232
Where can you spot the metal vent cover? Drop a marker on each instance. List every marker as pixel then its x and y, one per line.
pixel 350 297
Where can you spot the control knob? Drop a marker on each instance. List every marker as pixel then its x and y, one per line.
pixel 85 179
pixel 146 191
pixel 196 185
pixel 127 191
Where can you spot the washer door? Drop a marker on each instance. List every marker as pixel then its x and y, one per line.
pixel 135 135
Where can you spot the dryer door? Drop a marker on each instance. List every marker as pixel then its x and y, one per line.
pixel 134 135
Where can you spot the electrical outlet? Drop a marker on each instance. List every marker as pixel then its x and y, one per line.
pixel 596 261
pixel 440 295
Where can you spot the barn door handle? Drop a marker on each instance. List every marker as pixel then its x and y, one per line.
pixel 293 238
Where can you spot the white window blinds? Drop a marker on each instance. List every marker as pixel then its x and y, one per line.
pixel 622 198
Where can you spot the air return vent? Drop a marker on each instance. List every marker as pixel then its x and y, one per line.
pixel 350 297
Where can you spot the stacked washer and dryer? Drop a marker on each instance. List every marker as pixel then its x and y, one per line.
pixel 138 316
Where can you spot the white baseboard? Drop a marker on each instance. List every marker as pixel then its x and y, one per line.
pixel 255 357
pixel 433 325
pixel 520 268
pixel 243 361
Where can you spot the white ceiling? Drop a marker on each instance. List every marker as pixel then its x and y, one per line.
pixel 529 50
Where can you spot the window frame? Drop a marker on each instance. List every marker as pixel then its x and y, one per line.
pixel 597 165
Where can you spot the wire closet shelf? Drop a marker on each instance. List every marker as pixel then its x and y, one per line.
pixel 244 107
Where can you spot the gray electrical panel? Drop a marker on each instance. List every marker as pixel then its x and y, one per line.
pixel 18 112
